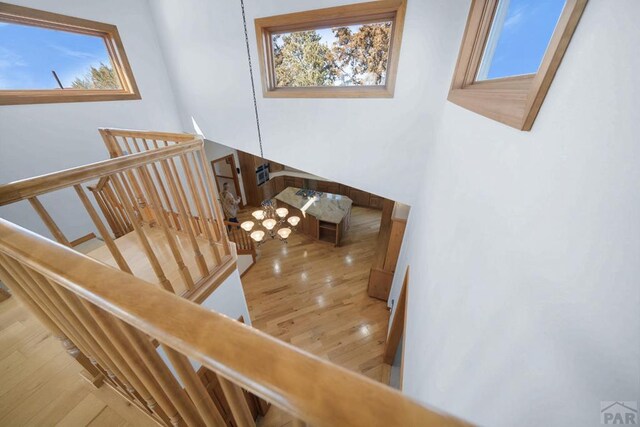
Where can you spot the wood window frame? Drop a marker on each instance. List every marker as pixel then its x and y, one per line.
pixel 375 11
pixel 514 101
pixel 109 33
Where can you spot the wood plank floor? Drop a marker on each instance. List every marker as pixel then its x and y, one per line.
pixel 307 293
pixel 40 384
pixel 314 296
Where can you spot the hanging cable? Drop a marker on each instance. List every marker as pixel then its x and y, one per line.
pixel 253 86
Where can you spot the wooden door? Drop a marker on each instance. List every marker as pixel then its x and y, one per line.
pixel 224 170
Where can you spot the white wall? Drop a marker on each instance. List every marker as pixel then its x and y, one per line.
pixel 37 139
pixel 227 299
pixel 524 287
pixel 524 247
pixel 368 140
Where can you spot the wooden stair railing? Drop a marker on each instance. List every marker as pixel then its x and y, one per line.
pixel 244 243
pixel 135 193
pixel 108 319
pixel 111 206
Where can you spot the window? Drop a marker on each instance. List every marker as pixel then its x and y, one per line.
pixel 510 52
pixel 345 51
pixel 46 58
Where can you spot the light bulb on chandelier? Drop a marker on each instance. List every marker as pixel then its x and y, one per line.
pixel 257 235
pixel 269 223
pixel 273 220
pixel 284 233
pixel 293 220
pixel 247 225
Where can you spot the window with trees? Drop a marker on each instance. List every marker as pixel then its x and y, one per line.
pixel 345 51
pixel 46 58
pixel 510 53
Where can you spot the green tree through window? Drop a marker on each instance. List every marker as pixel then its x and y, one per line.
pixel 356 55
pixel 101 77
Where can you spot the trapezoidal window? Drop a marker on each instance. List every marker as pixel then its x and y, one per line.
pixel 345 51
pixel 46 58
pixel 509 55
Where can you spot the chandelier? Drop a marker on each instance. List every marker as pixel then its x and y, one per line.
pixel 271 222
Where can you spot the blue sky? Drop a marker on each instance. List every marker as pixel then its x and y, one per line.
pixel 525 34
pixel 28 54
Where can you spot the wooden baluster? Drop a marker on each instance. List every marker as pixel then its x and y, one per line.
pixel 60 325
pixel 142 237
pixel 183 213
pixel 163 191
pixel 126 143
pixel 168 233
pixel 195 388
pixel 137 202
pixel 71 321
pixel 142 380
pixel 180 224
pixel 183 193
pixel 94 374
pixel 202 192
pixel 123 222
pixel 213 199
pixel 174 171
pixel 110 142
pixel 115 335
pixel 104 233
pixel 115 150
pixel 99 339
pixel 200 210
pixel 237 403
pixel 134 189
pixel 48 221
pixel 147 353
pixel 106 211
pixel 116 206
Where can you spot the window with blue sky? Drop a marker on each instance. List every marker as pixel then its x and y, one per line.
pixel 29 55
pixel 519 36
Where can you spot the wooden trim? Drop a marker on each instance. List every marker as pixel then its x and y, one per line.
pixel 397 330
pixel 234 177
pixel 514 101
pixel 82 239
pixel 4 294
pixel 248 268
pixel 374 11
pixel 306 386
pixel 113 43
pixel 202 290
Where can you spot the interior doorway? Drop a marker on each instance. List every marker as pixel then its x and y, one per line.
pixel 224 170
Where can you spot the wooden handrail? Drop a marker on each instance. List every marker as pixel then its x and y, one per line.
pixel 31 187
pixel 131 133
pixel 306 386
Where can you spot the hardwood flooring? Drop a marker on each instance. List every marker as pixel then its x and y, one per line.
pixel 40 384
pixel 314 296
pixel 307 293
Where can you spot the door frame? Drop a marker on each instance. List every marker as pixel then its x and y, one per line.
pixel 397 331
pixel 234 170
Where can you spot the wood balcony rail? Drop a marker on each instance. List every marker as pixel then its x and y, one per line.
pixel 111 318
pixel 112 207
pixel 244 243
pixel 150 209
